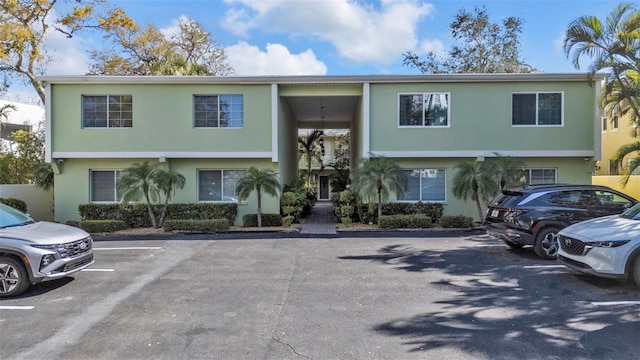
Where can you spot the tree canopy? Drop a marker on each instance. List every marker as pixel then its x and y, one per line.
pixel 480 46
pixel 25 24
pixel 190 50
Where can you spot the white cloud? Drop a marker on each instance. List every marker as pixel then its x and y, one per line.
pixel 359 32
pixel 68 55
pixel 277 60
pixel 435 46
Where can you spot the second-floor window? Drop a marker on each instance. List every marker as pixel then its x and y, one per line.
pixel 107 111
pixel 217 111
pixel 423 109
pixel 537 109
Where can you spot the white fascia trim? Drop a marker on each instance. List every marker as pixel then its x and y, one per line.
pixel 366 120
pixel 159 154
pixel 47 123
pixel 597 132
pixel 475 154
pixel 274 123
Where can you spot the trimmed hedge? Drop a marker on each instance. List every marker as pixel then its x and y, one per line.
pixel 420 221
pixel 251 220
pixel 137 215
pixel 100 226
pixel 15 203
pixel 368 213
pixel 197 226
pixel 456 221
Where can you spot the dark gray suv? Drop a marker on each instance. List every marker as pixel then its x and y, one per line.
pixel 533 215
pixel 34 251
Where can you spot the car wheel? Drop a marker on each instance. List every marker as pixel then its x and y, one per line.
pixel 636 271
pixel 545 245
pixel 513 245
pixel 14 279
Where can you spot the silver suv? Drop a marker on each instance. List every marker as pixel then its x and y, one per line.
pixel 33 251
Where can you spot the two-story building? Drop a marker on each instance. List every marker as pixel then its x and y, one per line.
pixel 211 129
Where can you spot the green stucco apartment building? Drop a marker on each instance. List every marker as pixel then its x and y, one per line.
pixel 211 129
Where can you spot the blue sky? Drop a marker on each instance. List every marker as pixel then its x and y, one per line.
pixel 338 37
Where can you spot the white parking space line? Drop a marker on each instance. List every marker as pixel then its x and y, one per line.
pixel 131 248
pixel 98 270
pixel 609 303
pixel 543 266
pixel 16 307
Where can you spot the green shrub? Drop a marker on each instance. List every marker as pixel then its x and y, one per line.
pixel 287 220
pixel 137 215
pixel 346 220
pixel 404 221
pixel 368 213
pixel 251 220
pixel 15 203
pixel 197 226
pixel 456 221
pixel 101 226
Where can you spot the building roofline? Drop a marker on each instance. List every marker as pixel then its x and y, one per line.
pixel 321 79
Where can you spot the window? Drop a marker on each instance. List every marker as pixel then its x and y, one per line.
pixel 104 186
pixel 218 111
pixel 604 124
pixel 537 109
pixel 218 185
pixel 107 111
pixel 425 109
pixel 614 117
pixel 635 171
pixel 540 176
pixel 426 185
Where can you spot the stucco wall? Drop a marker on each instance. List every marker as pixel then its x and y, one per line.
pixel 39 202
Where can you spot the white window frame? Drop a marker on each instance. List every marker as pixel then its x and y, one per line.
pixel 529 177
pixel 426 170
pixel 222 194
pixel 218 110
pixel 537 94
pixel 424 94
pixel 82 105
pixel 116 174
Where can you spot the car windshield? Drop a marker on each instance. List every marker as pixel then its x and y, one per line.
pixel 10 217
pixel 632 213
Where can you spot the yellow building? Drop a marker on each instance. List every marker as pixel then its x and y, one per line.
pixel 617 131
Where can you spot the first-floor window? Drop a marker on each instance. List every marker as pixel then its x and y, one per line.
pixel 104 186
pixel 427 185
pixel 218 185
pixel 540 176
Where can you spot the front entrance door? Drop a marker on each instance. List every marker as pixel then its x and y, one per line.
pixel 324 188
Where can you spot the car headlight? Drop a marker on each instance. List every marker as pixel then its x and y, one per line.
pixel 607 244
pixel 59 249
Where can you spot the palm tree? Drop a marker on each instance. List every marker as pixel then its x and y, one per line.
pixel 475 181
pixel 379 176
pixel 138 181
pixel 508 169
pixel 307 150
pixel 618 157
pixel 259 180
pixel 4 112
pixel 167 183
pixel 612 44
pixel 148 182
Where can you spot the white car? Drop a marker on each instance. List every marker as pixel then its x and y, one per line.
pixel 33 251
pixel 606 247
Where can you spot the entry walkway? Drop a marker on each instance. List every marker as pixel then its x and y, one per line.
pixel 321 220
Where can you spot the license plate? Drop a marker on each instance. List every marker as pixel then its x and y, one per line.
pixel 495 213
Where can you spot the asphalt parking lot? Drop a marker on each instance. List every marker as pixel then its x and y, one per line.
pixel 461 297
